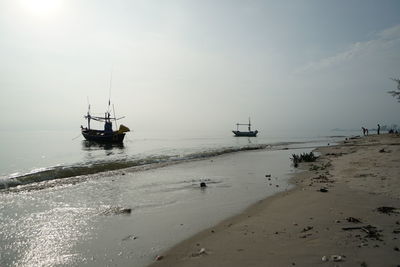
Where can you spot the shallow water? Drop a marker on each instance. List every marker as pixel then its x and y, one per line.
pixel 71 221
pixel 28 157
pixel 74 224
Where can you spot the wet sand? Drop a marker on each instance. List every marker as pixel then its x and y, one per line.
pixel 342 226
pixel 127 217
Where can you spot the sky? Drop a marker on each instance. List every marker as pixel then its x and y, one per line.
pixel 200 66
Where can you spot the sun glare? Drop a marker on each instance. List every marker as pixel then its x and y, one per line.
pixel 42 8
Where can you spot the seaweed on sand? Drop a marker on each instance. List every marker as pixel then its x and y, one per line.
pixel 304 157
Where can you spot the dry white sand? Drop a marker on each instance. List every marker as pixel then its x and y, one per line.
pixel 304 226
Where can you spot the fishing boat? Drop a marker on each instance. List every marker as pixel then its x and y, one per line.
pixel 249 133
pixel 107 135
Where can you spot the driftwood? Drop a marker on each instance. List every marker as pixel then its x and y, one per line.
pixel 372 231
pixel 354 227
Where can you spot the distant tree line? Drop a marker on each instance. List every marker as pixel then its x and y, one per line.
pixel 393 127
pixel 396 93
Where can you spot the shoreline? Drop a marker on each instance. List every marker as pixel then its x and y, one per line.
pixel 72 173
pixel 129 217
pixel 307 227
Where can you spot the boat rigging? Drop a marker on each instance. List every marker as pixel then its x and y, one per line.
pixel 249 133
pixel 107 135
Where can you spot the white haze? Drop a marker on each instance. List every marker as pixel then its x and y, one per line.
pixel 200 66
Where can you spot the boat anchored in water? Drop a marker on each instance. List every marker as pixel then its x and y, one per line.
pixel 108 135
pixel 249 133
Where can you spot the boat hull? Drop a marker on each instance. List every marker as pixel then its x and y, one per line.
pixel 102 137
pixel 245 134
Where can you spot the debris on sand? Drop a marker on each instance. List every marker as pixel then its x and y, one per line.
pixel 353 220
pixel 130 237
pixel 387 210
pixel 335 258
pixel 117 211
pixel 322 179
pixel 323 190
pixel 372 231
pixel 304 157
pixel 305 235
pixel 202 251
pixel 159 257
pixel 308 228
pixel 336 154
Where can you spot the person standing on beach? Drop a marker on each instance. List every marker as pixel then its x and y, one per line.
pixel 366 130
pixel 363 129
pixel 379 128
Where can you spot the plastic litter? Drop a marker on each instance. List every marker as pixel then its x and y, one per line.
pixel 336 258
pixel 159 257
pixel 202 251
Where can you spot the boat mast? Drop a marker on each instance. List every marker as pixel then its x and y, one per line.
pixel 115 118
pixel 109 98
pixel 88 113
pixel 249 125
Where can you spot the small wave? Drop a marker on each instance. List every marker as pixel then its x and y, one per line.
pixel 60 172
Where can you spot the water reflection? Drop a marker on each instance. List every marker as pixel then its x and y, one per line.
pixel 90 145
pixel 93 152
pixel 243 141
pixel 40 228
pixel 53 240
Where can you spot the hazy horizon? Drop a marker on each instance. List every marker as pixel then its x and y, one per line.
pixel 200 66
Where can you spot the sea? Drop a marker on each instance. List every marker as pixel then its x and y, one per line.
pixel 67 201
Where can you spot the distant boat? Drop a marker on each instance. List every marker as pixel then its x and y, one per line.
pixel 108 135
pixel 249 133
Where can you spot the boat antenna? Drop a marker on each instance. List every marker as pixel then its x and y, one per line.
pixel 88 105
pixel 88 113
pixel 109 94
pixel 116 125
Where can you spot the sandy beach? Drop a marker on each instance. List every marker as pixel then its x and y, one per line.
pixel 344 211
